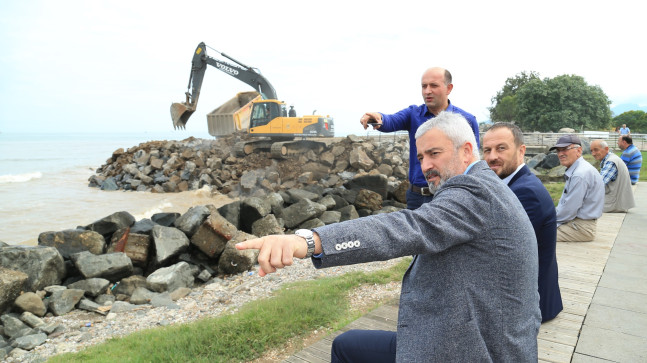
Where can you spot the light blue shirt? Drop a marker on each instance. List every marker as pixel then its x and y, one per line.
pixel 624 131
pixel 583 195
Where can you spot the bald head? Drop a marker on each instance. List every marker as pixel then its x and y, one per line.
pixel 599 149
pixel 436 87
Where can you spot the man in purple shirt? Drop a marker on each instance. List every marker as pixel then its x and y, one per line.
pixel 436 87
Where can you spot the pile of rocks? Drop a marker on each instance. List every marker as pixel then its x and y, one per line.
pixel 175 166
pixel 116 263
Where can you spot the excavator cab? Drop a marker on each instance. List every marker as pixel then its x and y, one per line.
pixel 264 112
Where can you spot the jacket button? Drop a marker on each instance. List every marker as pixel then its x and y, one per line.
pixel 338 247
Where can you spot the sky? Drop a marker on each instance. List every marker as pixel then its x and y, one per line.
pixel 116 66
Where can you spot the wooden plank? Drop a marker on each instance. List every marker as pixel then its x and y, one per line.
pixel 554 352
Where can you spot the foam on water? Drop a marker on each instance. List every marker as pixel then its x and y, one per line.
pixel 20 178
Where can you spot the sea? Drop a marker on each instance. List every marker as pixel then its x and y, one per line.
pixel 44 183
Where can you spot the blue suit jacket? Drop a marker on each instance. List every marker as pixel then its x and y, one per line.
pixel 540 209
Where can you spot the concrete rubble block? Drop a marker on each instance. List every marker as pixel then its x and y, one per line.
pixel 31 302
pixel 231 212
pixel 297 195
pixel 358 159
pixel 108 225
pixel 136 247
pixel 13 326
pixel 251 210
pixel 29 342
pixel 72 241
pixel 330 217
pixel 111 266
pixel 169 242
pixel 127 285
pixel 12 282
pixel 170 278
pixel 213 234
pixel 62 302
pixel 367 199
pixel 266 226
pixel 348 212
pixel 376 183
pixel 165 219
pixel 300 212
pixel 44 265
pixel 233 261
pixel 190 221
pixel 93 286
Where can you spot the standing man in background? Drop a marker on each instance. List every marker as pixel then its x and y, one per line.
pixel 624 130
pixel 618 196
pixel 436 87
pixel 631 156
pixel 504 151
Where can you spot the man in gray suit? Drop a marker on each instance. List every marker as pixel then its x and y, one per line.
pixel 470 293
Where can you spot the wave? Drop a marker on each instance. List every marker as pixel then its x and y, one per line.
pixel 20 178
pixel 157 209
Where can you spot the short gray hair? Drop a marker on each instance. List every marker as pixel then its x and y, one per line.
pixel 601 142
pixel 455 126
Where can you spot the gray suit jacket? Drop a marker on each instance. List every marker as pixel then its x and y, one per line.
pixel 470 293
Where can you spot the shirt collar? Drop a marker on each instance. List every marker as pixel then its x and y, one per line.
pixel 571 170
pixel 604 159
pixel 470 166
pixel 426 113
pixel 507 179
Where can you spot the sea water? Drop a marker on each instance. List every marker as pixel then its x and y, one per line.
pixel 44 183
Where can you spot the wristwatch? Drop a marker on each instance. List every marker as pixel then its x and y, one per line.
pixel 307 234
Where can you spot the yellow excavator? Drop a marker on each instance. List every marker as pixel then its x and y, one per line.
pixel 273 128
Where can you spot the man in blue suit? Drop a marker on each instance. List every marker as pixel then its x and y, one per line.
pixel 504 151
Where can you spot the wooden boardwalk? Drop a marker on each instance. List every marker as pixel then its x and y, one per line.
pixel 580 267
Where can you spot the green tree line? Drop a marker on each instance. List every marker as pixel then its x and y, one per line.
pixel 549 104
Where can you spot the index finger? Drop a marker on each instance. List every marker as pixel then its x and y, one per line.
pixel 252 244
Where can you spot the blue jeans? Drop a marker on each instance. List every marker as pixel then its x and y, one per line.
pixel 370 346
pixel 415 200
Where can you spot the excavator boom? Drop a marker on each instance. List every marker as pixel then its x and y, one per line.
pixel 180 112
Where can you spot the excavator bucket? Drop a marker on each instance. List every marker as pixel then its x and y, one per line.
pixel 180 114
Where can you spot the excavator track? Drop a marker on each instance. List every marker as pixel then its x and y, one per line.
pixel 290 149
pixel 244 148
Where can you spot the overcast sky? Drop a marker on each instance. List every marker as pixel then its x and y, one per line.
pixel 116 66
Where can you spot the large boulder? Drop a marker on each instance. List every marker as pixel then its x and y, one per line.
pixel 171 278
pixel 111 266
pixel 300 212
pixel 360 160
pixel 378 183
pixel 62 302
pixel 93 287
pixel 12 282
pixel 129 284
pixel 71 241
pixel 31 302
pixel 165 219
pixel 367 199
pixel 43 265
pixel 251 210
pixel 169 242
pixel 231 212
pixel 136 246
pixel 190 221
pixel 108 225
pixel 233 261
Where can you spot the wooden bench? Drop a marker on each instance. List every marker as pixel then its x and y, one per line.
pixel 580 267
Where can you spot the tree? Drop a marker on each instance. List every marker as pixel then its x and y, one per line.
pixel 563 101
pixel 505 102
pixel 635 120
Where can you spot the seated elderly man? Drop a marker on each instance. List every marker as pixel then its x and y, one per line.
pixel 618 196
pixel 582 199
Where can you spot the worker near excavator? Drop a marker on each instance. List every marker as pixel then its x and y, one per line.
pixel 292 112
pixel 436 87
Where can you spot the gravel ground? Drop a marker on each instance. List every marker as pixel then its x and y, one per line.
pixel 82 329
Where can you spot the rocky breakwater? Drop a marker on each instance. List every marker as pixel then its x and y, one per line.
pixel 117 263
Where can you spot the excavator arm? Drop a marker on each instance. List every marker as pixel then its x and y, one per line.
pixel 180 112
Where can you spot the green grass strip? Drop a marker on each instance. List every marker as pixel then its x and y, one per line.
pixel 295 311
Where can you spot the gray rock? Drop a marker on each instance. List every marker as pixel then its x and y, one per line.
pixel 330 217
pixel 72 241
pixel 367 199
pixel 13 327
pixel 109 184
pixel 111 266
pixel 141 295
pixel 128 285
pixel 165 219
pixel 266 226
pixel 108 225
pixel 93 287
pixel 312 223
pixel 43 265
pixel 251 210
pixel 535 160
pixel 233 261
pixel 231 212
pixel 121 306
pixel 297 195
pixel 31 302
pixel 377 183
pixel 169 242
pixel 62 302
pixel 348 212
pixel 89 305
pixel 170 278
pixel 360 160
pixel 12 282
pixel 329 202
pixel 300 212
pixel 105 299
pixel 31 319
pixel 550 161
pixel 143 226
pixel 164 300
pixel 190 221
pixel 204 276
pixel 30 342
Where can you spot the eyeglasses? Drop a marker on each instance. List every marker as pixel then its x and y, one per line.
pixel 562 149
